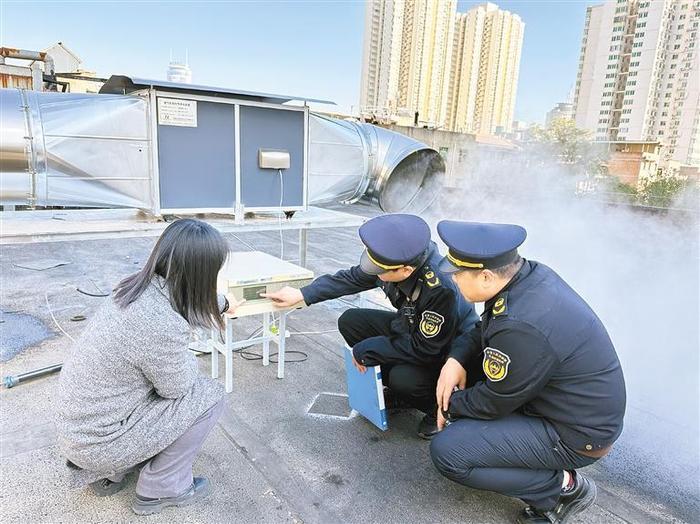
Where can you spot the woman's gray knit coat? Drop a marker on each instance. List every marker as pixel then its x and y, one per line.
pixel 130 387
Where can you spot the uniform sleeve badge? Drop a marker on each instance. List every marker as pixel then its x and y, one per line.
pixel 495 364
pixel 431 323
pixel 500 307
pixel 431 278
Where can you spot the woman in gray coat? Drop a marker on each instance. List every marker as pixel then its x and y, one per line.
pixel 130 393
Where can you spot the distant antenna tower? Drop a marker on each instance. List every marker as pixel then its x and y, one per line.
pixel 572 95
pixel 179 72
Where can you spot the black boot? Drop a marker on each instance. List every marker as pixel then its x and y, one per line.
pixel 106 487
pixel 579 498
pixel 393 402
pixel 428 428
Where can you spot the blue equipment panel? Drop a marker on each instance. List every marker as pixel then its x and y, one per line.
pixel 279 130
pixel 366 392
pixel 197 164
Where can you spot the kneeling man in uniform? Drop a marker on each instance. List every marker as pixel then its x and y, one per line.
pixel 409 344
pixel 536 392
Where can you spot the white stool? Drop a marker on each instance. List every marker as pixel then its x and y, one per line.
pixel 229 345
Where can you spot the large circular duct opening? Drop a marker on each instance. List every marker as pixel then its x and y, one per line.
pixel 414 183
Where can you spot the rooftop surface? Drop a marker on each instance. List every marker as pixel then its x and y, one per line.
pixel 270 460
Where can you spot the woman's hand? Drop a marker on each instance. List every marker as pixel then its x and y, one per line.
pixel 232 304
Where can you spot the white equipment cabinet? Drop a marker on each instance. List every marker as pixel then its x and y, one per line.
pixel 246 275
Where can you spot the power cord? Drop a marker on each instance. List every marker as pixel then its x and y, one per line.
pixel 247 244
pixel 48 305
pixel 281 212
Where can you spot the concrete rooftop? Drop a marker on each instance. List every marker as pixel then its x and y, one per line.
pixel 269 460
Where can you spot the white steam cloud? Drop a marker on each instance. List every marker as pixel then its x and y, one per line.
pixel 640 272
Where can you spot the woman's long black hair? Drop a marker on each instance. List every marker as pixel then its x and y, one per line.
pixel 188 255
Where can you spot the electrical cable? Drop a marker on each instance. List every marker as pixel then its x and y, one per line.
pixel 281 212
pixel 249 246
pixel 48 305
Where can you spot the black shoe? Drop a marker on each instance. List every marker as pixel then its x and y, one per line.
pixel 199 489
pixel 428 428
pixel 394 402
pixel 581 497
pixel 105 487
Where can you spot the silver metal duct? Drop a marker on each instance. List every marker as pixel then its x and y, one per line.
pixel 351 160
pixel 94 150
pixel 62 149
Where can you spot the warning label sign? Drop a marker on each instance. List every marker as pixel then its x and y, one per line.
pixel 176 112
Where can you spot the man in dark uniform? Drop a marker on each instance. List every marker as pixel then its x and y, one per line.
pixel 410 344
pixel 537 392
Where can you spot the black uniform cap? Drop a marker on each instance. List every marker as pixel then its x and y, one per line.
pixel 472 245
pixel 393 241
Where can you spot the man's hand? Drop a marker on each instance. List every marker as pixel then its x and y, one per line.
pixel 232 304
pixel 441 422
pixel 452 375
pixel 285 297
pixel 359 366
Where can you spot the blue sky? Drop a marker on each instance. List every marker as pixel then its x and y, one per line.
pixel 311 48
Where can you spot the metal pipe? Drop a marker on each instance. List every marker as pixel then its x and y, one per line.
pixel 11 381
pixel 24 54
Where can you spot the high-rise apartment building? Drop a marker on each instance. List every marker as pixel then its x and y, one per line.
pixel 639 75
pixel 484 72
pixel 455 71
pixel 406 58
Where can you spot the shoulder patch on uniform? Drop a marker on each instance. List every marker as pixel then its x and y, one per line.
pixel 500 307
pixel 495 364
pixel 431 324
pixel 431 279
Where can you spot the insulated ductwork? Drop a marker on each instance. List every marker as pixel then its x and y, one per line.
pixel 350 160
pixel 94 150
pixel 61 149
